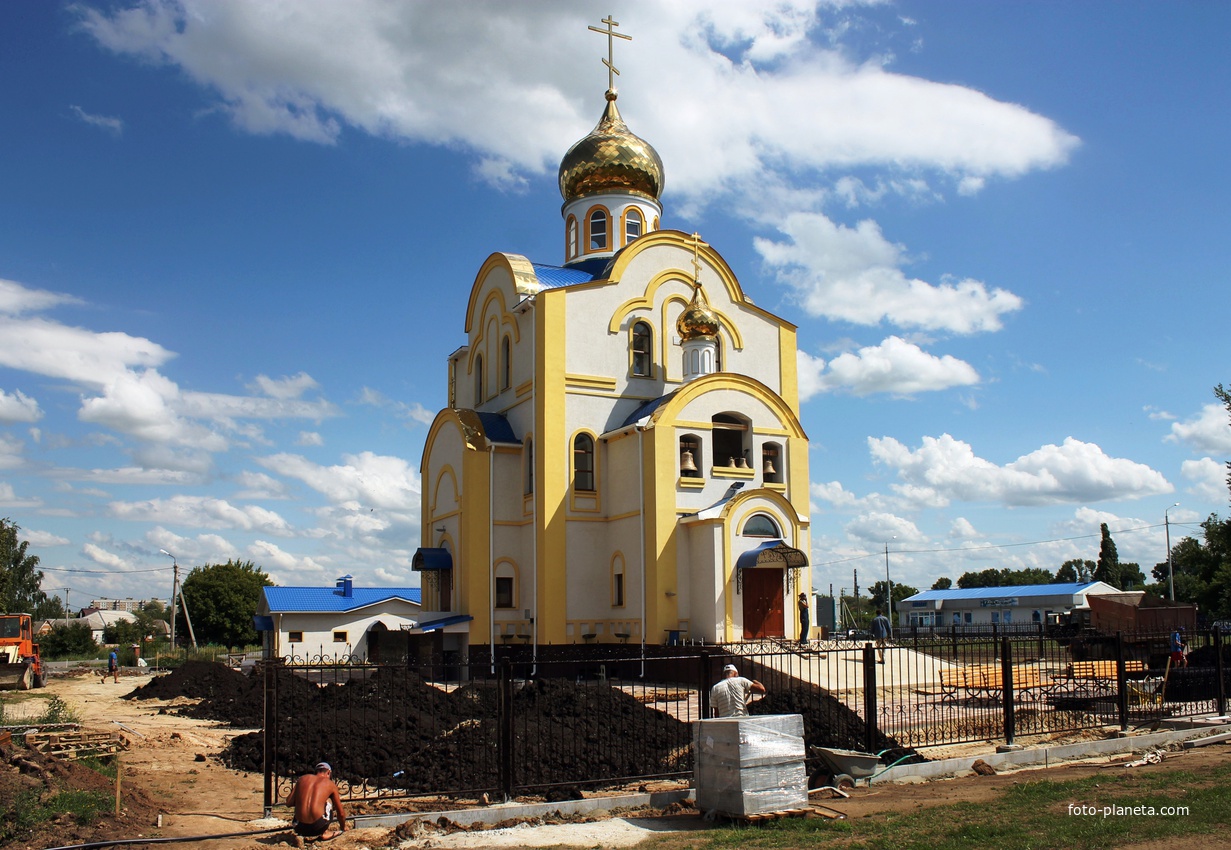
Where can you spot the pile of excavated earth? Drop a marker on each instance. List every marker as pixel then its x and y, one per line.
pixel 392 729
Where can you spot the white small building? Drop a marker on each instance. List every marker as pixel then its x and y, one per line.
pixel 331 622
pixel 1021 604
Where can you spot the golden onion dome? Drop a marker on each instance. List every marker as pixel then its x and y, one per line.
pixel 697 321
pixel 611 159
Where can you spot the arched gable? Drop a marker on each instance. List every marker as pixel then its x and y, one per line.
pixel 725 382
pixel 521 274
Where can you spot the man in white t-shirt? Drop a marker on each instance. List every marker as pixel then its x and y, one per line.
pixel 729 698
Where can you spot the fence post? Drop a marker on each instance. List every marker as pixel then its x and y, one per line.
pixel 1121 683
pixel 995 641
pixel 703 679
pixel 1220 671
pixel 504 720
pixel 270 728
pixel 869 697
pixel 1042 632
pixel 953 634
pixel 1006 677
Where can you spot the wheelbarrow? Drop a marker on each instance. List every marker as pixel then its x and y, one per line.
pixel 843 769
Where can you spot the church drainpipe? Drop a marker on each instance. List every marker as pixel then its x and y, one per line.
pixel 534 525
pixel 641 500
pixel 491 552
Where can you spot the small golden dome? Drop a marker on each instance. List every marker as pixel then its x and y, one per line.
pixel 611 159
pixel 697 321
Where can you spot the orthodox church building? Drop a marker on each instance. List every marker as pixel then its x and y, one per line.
pixel 621 459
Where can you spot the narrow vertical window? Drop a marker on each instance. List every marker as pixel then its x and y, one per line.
pixel 617 582
pixel 632 225
pixel 598 230
pixel 583 463
pixel 643 345
pixel 529 466
pixel 478 380
pixel 571 249
pixel 506 363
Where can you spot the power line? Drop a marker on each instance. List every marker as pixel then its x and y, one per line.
pixel 110 572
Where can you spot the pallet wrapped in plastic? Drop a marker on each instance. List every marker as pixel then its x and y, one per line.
pixel 750 765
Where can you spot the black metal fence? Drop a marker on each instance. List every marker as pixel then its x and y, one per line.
pixel 605 715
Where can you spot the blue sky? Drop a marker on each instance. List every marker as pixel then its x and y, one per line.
pixel 236 240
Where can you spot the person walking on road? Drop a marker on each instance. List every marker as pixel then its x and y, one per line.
pixel 881 629
pixel 804 623
pixel 315 798
pixel 729 698
pixel 113 667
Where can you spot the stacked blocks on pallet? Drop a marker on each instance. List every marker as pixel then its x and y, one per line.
pixel 750 765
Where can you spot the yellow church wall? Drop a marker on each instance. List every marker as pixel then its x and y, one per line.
pixel 552 463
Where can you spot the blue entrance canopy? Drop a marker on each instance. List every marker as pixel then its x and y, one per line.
pixel 772 553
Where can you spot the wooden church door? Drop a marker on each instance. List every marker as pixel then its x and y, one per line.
pixel 763 615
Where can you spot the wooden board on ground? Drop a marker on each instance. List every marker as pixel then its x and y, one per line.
pixel 75 745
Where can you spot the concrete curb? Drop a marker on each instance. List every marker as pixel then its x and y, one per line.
pixel 1045 756
pixel 504 811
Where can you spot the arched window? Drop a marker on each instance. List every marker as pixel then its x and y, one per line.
pixel 633 224
pixel 643 348
pixel 771 463
pixel 506 585
pixel 598 230
pixel 690 456
pixel 583 463
pixel 478 380
pixel 571 249
pixel 506 363
pixel 760 525
pixel 729 436
pixel 529 472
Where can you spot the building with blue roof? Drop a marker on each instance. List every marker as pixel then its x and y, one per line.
pixel 620 459
pixel 983 606
pixel 371 623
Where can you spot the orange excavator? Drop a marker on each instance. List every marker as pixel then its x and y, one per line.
pixel 21 668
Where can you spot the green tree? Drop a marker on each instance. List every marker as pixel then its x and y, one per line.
pixel 942 583
pixel 1202 569
pixel 1108 567
pixel 1075 571
pixel 1224 396
pixel 65 641
pixel 222 600
pixel 124 632
pixel 900 592
pixel 1004 578
pixel 20 577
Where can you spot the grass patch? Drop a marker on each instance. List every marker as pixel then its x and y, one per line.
pixel 1042 815
pixel 27 810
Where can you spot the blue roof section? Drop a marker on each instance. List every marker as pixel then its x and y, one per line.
pixel 1062 589
pixel 648 408
pixel 553 277
pixel 303 600
pixel 497 428
pixel 431 558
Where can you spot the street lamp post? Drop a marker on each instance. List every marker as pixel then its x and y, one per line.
pixel 175 589
pixel 889 588
pixel 1170 571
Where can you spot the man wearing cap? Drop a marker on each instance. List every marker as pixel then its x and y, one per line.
pixel 315 798
pixel 729 698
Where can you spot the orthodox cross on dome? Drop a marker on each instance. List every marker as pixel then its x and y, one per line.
pixel 612 70
pixel 696 261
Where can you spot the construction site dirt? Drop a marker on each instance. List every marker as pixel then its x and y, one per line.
pixel 175 767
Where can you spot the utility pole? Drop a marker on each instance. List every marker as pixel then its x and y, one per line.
pixel 175 589
pixel 1170 571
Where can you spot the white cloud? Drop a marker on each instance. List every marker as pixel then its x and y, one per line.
pixel 16 300
pixel 834 493
pixel 202 512
pixel 1208 431
pixel 855 275
pixel 1208 477
pixel 99 555
pixel 962 529
pixel 895 366
pixel 371 480
pixel 284 388
pixel 10 499
pixel 114 126
pixel 1072 472
pixel 414 411
pixel 881 528
pixel 278 562
pixel 43 539
pixel 421 71
pixel 18 407
pixel 309 438
pixel 258 485
pixel 12 452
